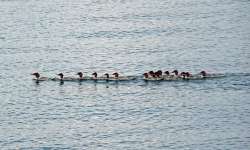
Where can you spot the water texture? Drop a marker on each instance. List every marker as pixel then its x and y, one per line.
pixel 131 37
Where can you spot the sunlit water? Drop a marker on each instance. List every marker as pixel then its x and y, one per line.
pixel 131 37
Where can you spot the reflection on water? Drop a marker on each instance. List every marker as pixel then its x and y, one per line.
pixel 61 82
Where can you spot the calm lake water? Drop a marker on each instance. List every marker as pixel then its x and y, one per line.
pixel 131 37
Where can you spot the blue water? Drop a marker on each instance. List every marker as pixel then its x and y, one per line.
pixel 131 37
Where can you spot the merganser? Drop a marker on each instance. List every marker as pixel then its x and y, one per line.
pixel 116 75
pixel 36 74
pixel 203 73
pixel 145 75
pixel 170 77
pixel 175 72
pixel 60 75
pixel 174 75
pixel 167 73
pixel 107 75
pixel 94 76
pixel 211 75
pixel 182 74
pixel 38 77
pixel 151 76
pixel 167 76
pixel 158 74
pixel 62 78
pixel 186 75
pixel 80 74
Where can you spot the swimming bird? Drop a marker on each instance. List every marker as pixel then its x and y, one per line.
pixel 167 73
pixel 60 75
pixel 167 76
pixel 175 72
pixel 80 74
pixel 203 73
pixel 107 75
pixel 81 77
pixel 151 74
pixel 116 75
pixel 186 75
pixel 36 74
pixel 145 76
pixel 38 77
pixel 95 75
pixel 158 74
pixel 182 74
pixel 152 77
pixel 62 78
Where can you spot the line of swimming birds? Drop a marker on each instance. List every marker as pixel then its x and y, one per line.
pixel 148 76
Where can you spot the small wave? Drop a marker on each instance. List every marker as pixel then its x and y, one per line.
pixel 237 74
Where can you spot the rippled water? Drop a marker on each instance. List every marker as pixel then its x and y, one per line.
pixel 130 37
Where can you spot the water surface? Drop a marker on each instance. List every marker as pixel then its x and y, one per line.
pixel 130 37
